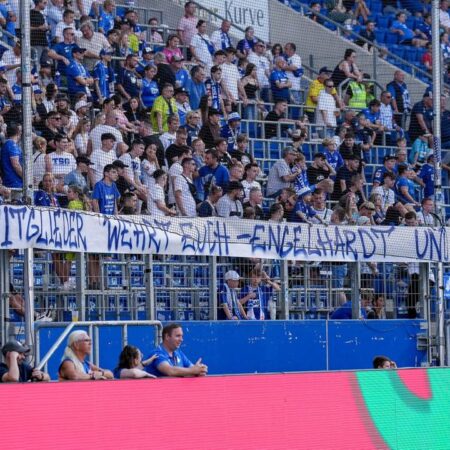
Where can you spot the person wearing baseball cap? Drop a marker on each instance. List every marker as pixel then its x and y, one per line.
pixel 230 204
pixel 103 75
pixel 78 76
pixel 78 176
pixel 315 88
pixel 229 306
pixel 182 102
pixel 15 369
pixel 231 131
pixel 389 162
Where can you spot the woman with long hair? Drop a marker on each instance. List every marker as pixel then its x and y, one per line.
pixel 250 84
pixel 81 136
pixel 131 364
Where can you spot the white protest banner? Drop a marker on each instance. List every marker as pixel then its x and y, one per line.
pixel 77 231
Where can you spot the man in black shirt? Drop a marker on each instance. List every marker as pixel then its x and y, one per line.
pixel 344 176
pixel 175 149
pixel 255 199
pixel 122 184
pixel 38 28
pixel 319 170
pixel 278 113
pixel 368 34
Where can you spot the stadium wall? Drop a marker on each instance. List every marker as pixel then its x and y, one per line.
pixel 383 409
pixel 271 346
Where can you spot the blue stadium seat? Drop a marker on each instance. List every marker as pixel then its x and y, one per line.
pixel 158 275
pixel 411 22
pixel 258 149
pixel 330 26
pixel 411 55
pixel 391 38
pixel 137 276
pixel 398 50
pixel 274 152
pixel 380 36
pixel 377 8
pixel 113 276
pixel 383 22
pixel 124 308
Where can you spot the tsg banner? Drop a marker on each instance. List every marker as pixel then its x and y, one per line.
pixel 76 231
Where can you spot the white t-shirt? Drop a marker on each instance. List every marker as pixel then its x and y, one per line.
pixel 99 160
pixel 38 167
pixel 226 207
pixel 296 61
pixel 86 4
pixel 230 78
pixel 62 163
pixel 61 26
pixel 81 142
pixel 247 186
pixel 181 184
pixel 10 59
pixel 444 18
pixel 327 103
pixel 324 214
pixel 156 193
pixel 262 66
pixel 167 139
pixel 133 171
pixel 96 136
pixel 201 49
pixel 147 170
pixel 175 170
pixel 387 196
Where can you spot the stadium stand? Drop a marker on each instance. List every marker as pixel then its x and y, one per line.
pixel 142 110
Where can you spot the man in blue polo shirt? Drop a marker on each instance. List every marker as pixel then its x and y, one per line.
pixel 12 158
pixel 279 81
pixel 388 166
pixel 104 77
pixel 170 360
pixel 78 77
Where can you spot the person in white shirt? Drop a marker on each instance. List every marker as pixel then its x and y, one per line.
pixel 176 169
pixel 444 17
pixel 60 162
pixel 263 69
pixel 169 137
pixel 220 38
pixel 95 136
pixel 251 172
pixel 385 191
pixel 68 21
pixel 294 71
pixel 426 216
pixel 230 204
pixel 185 190
pixel 83 7
pixel 102 156
pixel 326 108
pixel 231 77
pixel 322 212
pixel 202 49
pixel 156 200
pixel 11 59
pixel 133 172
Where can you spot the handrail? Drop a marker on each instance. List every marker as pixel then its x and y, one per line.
pixel 373 44
pixel 91 324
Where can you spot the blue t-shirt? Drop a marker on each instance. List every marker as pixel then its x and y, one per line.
pixel 149 92
pixel 426 174
pixel 10 178
pixel 75 70
pixel 407 33
pixel 218 176
pixel 425 29
pixel 283 93
pixel 334 159
pixel 345 312
pixel 301 181
pixel 178 359
pixel 106 22
pixel 106 196
pixel 404 182
pixel 302 207
pixel 230 135
pixel 196 92
pixel 372 117
pixel 25 372
pixel 378 176
pixel 42 198
pixel 245 45
pixel 105 75
pixel 64 50
pixel 129 82
pixel 181 78
pixel 17 91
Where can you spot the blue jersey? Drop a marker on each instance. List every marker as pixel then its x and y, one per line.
pixel 255 307
pixel 378 176
pixel 42 198
pixel 10 178
pixel 334 159
pixel 64 50
pixel 426 174
pixel 371 116
pixel 301 181
pixel 283 93
pixel 106 196
pixel 105 76
pixel 130 82
pixel 149 92
pixel 302 207
pixel 196 92
pixel 404 182
pixel 73 71
pixel 17 91
pixel 106 22
pixel 407 33
pixel 218 176
pixel 230 135
pixel 214 91
pixel 177 359
pixel 4 101
pixel 182 77
pixel 425 29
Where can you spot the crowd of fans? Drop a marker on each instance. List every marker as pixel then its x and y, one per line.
pixel 124 124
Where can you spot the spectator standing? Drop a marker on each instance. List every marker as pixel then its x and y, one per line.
pixel 332 155
pixel 93 42
pixel 231 78
pixel 11 59
pixel 61 162
pixel 326 109
pixel 62 53
pixel 132 173
pixel 208 208
pixel 182 104
pixel 201 47
pixel 187 26
pixel 156 201
pixel 230 308
pixel 385 191
pixel 104 77
pixel 230 204
pixel 12 158
pixel 263 69
pixel 78 77
pixel 344 176
pixel 279 81
pixel 255 199
pixel 196 86
pixel 280 174
pixel 323 214
pixel 163 107
pixel 210 131
pixel 105 193
pixel 421 117
pixel 427 175
pixel 214 89
pixel 78 176
pixel 294 72
pixel 184 189
pixel 346 69
pixel 149 87
pixel 404 186
pixel 39 28
pixel 245 46
pixel 213 173
pixel 400 95
pixel 172 48
pixel 251 172
pixel 220 38
pixel 103 156
pixel 129 82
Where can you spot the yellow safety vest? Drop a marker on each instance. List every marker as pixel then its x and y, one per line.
pixel 359 95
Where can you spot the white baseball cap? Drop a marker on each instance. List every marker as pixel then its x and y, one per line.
pixel 232 275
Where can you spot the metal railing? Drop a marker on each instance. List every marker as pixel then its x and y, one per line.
pixel 93 330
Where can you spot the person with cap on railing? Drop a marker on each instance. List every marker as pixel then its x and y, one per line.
pixel 15 369
pixel 230 308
